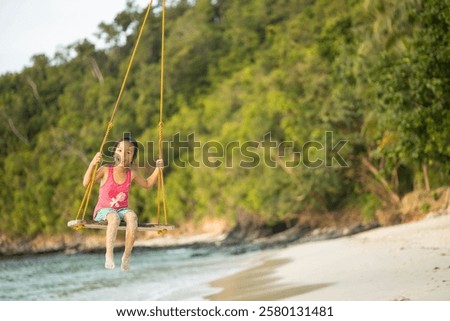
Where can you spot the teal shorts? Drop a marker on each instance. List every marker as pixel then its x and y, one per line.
pixel 101 214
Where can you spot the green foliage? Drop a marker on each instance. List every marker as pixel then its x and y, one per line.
pixel 369 205
pixel 411 99
pixel 425 207
pixel 374 74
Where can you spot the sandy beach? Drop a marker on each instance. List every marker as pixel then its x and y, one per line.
pixel 402 262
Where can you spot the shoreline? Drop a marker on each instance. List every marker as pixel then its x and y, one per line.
pixel 409 261
pixel 246 235
pixel 93 241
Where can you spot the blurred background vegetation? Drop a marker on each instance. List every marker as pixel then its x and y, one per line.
pixel 375 73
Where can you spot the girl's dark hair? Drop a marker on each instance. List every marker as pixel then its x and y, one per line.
pixel 127 138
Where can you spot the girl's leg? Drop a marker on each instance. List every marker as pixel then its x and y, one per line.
pixel 111 233
pixel 131 221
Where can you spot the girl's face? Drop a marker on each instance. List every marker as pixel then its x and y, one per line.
pixel 123 154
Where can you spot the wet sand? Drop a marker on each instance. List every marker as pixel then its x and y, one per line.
pixel 403 262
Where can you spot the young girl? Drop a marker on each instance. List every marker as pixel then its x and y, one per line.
pixel 112 205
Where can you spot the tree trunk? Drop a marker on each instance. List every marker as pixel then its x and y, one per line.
pixel 425 176
pixel 395 181
pixel 392 195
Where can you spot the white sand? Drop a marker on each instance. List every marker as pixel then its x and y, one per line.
pixel 402 262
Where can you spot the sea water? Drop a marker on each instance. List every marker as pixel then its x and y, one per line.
pixel 170 274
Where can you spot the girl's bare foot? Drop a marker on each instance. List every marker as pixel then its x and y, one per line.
pixel 109 262
pixel 125 264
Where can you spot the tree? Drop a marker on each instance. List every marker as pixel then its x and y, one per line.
pixel 413 92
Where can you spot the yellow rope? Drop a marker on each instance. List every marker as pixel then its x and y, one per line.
pixel 88 191
pixel 161 193
pixel 161 98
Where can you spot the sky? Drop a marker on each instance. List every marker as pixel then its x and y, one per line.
pixel 31 27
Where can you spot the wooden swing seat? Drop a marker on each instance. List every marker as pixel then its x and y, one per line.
pixel 80 224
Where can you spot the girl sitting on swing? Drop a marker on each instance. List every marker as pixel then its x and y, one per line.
pixel 112 205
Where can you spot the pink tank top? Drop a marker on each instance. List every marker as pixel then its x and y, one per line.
pixel 113 195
